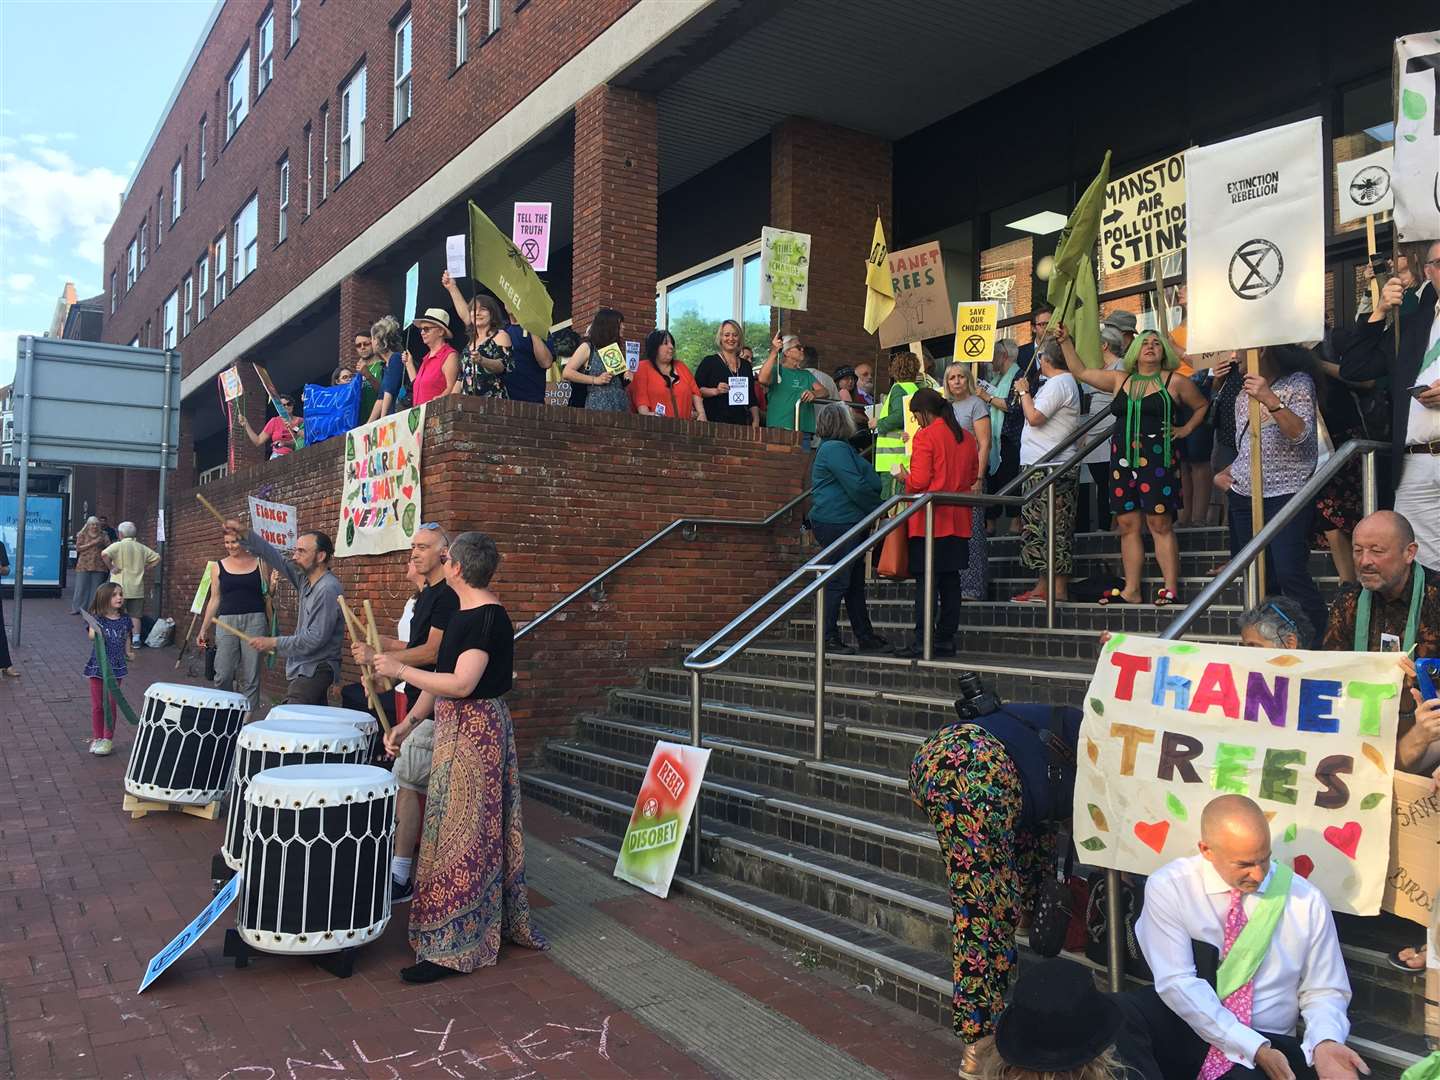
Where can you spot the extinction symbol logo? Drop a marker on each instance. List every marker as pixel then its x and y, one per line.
pixel 1255 269
pixel 1370 185
pixel 530 248
pixel 974 345
pixel 651 807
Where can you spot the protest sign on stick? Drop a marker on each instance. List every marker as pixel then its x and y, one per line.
pixel 975 332
pixel 922 297
pixel 1416 175
pixel 1144 217
pixel 275 522
pixel 1363 189
pixel 530 232
pixel 784 268
pixel 1309 736
pixel 1413 879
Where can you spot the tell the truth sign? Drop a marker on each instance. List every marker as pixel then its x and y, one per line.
pixel 1310 736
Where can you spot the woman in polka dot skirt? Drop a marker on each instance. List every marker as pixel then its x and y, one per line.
pixel 1144 454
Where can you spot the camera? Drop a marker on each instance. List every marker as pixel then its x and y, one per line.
pixel 974 700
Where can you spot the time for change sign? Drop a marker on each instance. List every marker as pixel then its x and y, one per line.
pixel 975 331
pixel 1144 215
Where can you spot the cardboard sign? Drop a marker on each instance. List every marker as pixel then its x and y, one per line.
pixel 922 299
pixel 230 382
pixel 1417 136
pixel 455 256
pixel 1144 216
pixel 275 522
pixel 784 268
pixel 202 592
pixel 530 232
pixel 651 848
pixel 380 485
pixel 975 331
pixel 1310 736
pixel 187 937
pixel 613 359
pixel 1413 878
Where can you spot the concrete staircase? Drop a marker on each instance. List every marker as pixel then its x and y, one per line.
pixel 831 858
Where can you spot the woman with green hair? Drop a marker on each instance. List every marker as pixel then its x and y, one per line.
pixel 1144 453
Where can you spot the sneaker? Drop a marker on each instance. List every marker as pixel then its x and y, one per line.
pixel 95 746
pixel 402 892
pixel 943 648
pixel 427 972
pixel 873 643
pixel 103 747
pixel 837 646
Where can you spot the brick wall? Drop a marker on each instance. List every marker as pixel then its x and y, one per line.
pixel 363 299
pixel 564 492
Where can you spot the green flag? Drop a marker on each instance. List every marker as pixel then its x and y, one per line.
pixel 1072 282
pixel 497 264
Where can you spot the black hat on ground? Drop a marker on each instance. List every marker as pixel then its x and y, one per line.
pixel 1057 1021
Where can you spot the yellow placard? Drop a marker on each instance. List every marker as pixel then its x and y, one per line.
pixel 975 331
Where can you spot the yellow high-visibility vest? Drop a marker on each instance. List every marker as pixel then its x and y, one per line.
pixel 891 449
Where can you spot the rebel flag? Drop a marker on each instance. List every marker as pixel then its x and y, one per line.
pixel 497 264
pixel 1072 290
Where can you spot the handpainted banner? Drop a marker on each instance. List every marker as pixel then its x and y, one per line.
pixel 1363 186
pixel 784 268
pixel 230 383
pixel 1414 875
pixel 380 493
pixel 274 521
pixel 1144 215
pixel 1256 222
pixel 1310 736
pixel 1417 136
pixel 651 848
pixel 202 592
pixel 922 298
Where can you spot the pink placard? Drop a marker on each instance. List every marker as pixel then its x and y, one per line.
pixel 531 233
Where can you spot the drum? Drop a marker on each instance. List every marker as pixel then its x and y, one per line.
pixel 318 842
pixel 185 743
pixel 270 743
pixel 349 717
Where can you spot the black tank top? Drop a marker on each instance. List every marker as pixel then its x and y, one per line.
pixel 240 593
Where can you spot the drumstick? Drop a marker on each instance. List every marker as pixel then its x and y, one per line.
pixel 247 638
pixel 209 506
pixel 356 634
pixel 373 637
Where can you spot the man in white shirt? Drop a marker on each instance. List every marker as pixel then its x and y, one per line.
pixel 1194 908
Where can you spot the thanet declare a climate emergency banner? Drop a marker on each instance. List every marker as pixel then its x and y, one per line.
pixel 652 844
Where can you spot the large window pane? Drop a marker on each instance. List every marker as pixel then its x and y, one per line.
pixel 755 315
pixel 696 308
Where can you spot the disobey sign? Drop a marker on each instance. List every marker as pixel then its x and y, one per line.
pixel 1310 736
pixel 651 848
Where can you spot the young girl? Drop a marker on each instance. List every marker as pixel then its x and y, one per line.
pixel 108 608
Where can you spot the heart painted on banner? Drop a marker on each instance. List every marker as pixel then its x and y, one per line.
pixel 408 490
pixel 1304 865
pixel 1152 834
pixel 1344 838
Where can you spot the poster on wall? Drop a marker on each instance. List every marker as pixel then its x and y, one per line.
pixel 1310 736
pixel 45 540
pixel 1144 215
pixel 784 268
pixel 1417 136
pixel 380 488
pixel 922 299
pixel 651 848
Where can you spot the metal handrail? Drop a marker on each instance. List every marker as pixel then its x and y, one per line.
pixel 1050 455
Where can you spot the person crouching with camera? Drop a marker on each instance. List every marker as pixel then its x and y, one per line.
pixel 994 784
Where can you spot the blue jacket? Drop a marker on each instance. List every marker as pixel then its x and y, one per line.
pixel 1046 799
pixel 846 486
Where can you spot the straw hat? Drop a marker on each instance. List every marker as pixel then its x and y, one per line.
pixel 436 317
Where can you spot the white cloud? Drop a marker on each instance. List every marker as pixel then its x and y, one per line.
pixel 66 136
pixel 38 260
pixel 36 138
pixel 46 199
pixel 20 283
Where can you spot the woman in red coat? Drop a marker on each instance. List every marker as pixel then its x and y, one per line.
pixel 663 386
pixel 942 458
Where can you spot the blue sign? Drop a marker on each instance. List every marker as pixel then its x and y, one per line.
pixel 187 937
pixel 44 537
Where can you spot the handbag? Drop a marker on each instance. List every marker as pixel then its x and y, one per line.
pixel 1375 415
pixel 895 555
pixel 1050 919
pixel 1097 925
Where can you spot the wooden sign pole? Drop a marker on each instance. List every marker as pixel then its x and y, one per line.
pixel 1371 248
pixel 1255 581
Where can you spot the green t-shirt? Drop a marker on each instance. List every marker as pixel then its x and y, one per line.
pixel 781 396
pixel 369 394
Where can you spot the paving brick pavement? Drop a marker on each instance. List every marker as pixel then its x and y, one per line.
pixel 87 896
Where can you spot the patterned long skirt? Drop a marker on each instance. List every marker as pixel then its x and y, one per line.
pixel 975 578
pixel 470 874
pixel 963 779
pixel 1034 521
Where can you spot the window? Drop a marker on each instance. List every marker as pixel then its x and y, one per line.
pixel 247 240
pixel 130 266
pixel 146 336
pixel 282 225
pixel 693 303
pixel 220 270
pixel 177 190
pixel 159 220
pixel 494 23
pixel 202 294
pixel 352 124
pixel 135 342
pixel 402 72
pixel 144 243
pixel 200 158
pixel 265 69
pixel 187 299
pixel 324 152
pixel 170 319
pixel 309 166
pixel 294 22
pixel 114 291
pixel 462 31
pixel 238 94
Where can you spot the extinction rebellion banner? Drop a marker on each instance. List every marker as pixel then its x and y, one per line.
pixel 652 844
pixel 380 493
pixel 1310 736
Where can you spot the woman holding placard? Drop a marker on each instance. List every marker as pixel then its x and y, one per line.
pixel 489 356
pixel 1144 458
pixel 278 435
pixel 727 381
pixel 599 363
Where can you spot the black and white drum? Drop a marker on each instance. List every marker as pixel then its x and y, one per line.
pixel 185 744
pixel 318 843
pixel 325 714
pixel 270 743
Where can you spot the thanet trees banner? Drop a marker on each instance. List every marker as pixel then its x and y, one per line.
pixel 652 844
pixel 380 492
pixel 1310 736
pixel 1256 225
pixel 1417 136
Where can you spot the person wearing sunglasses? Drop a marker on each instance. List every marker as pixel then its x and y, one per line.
pixel 278 435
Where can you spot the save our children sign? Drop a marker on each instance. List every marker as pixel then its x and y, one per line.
pixel 653 841
pixel 1310 736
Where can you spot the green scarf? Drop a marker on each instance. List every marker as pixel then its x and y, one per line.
pixel 1412 620
pixel 1253 942
pixel 1134 401
pixel 112 695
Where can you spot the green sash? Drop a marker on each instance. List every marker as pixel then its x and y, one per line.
pixel 112 695
pixel 1253 942
pixel 1412 619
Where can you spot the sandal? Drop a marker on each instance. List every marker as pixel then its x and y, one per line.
pixel 1165 597
pixel 1111 596
pixel 1397 960
pixel 1022 598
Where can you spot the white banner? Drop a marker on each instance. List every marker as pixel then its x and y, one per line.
pixel 380 485
pixel 1417 137
pixel 1363 186
pixel 1256 224
pixel 275 522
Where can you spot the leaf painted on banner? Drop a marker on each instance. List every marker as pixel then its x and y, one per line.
pixel 1098 817
pixel 1116 640
pixel 1374 799
pixel 1270 817
pixel 1291 831
pixel 1376 758
pixel 1412 105
pixel 413 419
pixel 1176 807
pixel 1092 752
pixel 407 520
pixel 1098 706
pixel 1093 844
pixel 1409 138
pixel 1284 660
pixel 1181 650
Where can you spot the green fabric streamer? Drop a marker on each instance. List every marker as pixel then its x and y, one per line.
pixel 112 695
pixel 1412 618
pixel 1429 1069
pixel 1134 401
pixel 1250 947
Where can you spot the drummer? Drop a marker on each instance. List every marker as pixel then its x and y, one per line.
pixel 434 607
pixel 312 653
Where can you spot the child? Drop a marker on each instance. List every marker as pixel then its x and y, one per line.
pixel 108 607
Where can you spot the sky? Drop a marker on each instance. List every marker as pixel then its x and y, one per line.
pixel 82 86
